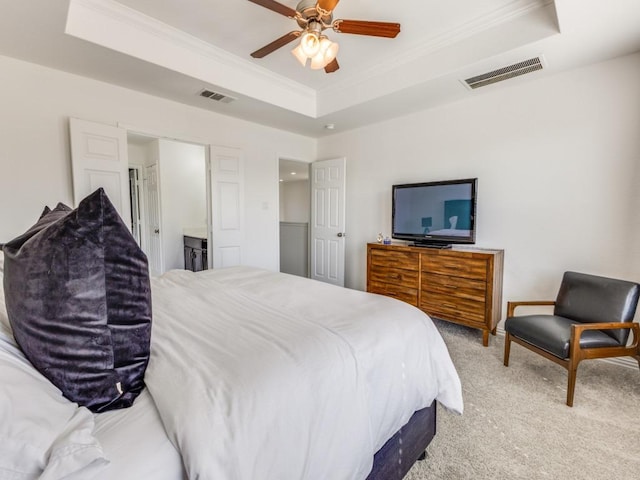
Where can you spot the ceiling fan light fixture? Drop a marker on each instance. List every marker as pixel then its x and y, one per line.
pixel 310 39
pixel 310 43
pixel 330 52
pixel 316 62
pixel 300 55
pixel 313 17
pixel 326 54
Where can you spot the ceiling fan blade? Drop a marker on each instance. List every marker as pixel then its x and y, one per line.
pixel 276 44
pixel 276 7
pixel 332 66
pixel 361 27
pixel 327 5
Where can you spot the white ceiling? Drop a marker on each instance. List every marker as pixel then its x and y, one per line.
pixel 293 171
pixel 175 48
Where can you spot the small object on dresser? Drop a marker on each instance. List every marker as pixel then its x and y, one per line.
pixel 380 238
pixel 387 241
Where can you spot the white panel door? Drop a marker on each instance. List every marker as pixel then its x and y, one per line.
pixel 99 159
pixel 328 185
pixel 153 247
pixel 134 201
pixel 227 206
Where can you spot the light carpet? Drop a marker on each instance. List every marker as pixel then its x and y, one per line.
pixel 516 424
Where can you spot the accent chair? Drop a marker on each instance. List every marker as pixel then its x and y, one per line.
pixel 592 318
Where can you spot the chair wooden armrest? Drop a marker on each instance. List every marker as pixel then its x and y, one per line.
pixel 577 329
pixel 584 353
pixel 511 306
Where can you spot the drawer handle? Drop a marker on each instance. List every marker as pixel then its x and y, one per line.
pixel 394 276
pixel 449 305
pixel 451 266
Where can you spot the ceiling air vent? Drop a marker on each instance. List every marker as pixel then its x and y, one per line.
pixel 218 97
pixel 505 73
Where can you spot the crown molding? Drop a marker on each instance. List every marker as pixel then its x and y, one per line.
pixel 118 27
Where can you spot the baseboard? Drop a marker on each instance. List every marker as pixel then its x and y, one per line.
pixel 622 361
pixel 626 362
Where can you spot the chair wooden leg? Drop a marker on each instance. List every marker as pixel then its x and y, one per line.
pixel 507 348
pixel 571 385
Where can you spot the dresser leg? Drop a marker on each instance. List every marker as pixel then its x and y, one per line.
pixel 485 338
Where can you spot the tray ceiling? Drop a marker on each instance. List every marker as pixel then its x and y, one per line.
pixel 177 49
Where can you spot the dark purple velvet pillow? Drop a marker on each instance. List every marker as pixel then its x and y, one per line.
pixel 79 302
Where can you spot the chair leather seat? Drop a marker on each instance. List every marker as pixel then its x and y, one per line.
pixel 552 333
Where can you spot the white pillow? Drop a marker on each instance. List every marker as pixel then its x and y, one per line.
pixel 42 434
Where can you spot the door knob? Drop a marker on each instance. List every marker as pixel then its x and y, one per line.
pixel 157 230
pixel 342 234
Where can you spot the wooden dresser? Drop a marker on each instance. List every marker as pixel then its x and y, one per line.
pixel 461 285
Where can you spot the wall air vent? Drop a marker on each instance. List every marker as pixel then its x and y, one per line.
pixel 218 97
pixel 505 73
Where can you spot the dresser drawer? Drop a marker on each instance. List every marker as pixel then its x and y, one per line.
pixel 406 294
pixel 461 285
pixel 448 307
pixel 455 266
pixel 395 276
pixel 382 257
pixel 454 286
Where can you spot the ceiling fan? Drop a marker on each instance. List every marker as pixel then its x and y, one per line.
pixel 313 17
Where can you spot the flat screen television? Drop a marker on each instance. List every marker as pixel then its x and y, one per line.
pixel 436 214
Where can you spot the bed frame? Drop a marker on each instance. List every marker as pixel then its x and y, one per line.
pixel 408 445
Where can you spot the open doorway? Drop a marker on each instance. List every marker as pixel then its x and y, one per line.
pixel 168 192
pixel 295 207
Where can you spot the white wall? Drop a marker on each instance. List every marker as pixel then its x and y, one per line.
pixel 34 146
pixel 557 160
pixel 137 154
pixel 558 163
pixel 183 192
pixel 295 201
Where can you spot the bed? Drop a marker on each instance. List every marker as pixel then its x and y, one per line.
pixel 252 374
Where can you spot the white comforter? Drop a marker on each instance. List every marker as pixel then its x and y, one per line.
pixel 266 376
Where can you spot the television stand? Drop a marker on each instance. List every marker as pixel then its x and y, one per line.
pixel 461 285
